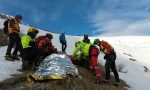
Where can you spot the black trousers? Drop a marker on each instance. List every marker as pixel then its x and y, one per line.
pixel 14 40
pixel 64 46
pixel 28 57
pixel 110 64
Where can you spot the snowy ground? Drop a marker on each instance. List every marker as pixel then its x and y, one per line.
pixel 7 68
pixel 126 47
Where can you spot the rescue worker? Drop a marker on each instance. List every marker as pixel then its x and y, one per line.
pixel 45 47
pixel 89 53
pixel 14 38
pixel 29 48
pixel 86 39
pixel 63 41
pixel 110 57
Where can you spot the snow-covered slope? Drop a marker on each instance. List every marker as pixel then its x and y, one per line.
pixel 128 48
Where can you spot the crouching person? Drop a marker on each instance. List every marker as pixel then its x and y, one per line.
pixel 29 48
pixel 110 57
pixel 45 48
pixel 89 53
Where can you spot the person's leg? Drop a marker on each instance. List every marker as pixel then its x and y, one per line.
pixel 107 69
pixel 114 70
pixel 61 46
pixel 65 46
pixel 18 47
pixel 25 59
pixel 9 48
pixel 10 45
pixel 39 55
pixel 94 63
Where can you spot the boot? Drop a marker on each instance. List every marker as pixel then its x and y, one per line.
pixel 15 57
pixel 108 82
pixel 97 81
pixel 8 57
pixel 118 84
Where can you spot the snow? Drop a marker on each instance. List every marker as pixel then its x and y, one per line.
pixel 7 68
pixel 132 72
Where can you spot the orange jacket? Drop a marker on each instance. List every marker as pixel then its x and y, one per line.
pixel 13 26
pixel 105 47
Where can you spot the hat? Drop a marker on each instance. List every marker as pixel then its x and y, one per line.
pixel 18 16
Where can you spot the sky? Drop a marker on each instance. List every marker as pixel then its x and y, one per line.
pixel 77 17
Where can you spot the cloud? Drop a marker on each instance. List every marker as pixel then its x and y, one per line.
pixel 121 17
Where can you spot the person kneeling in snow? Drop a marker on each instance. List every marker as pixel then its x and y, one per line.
pixel 110 57
pixel 45 47
pixel 29 48
pixel 89 53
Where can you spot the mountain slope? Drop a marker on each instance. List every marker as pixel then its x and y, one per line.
pixel 84 82
pixel 132 61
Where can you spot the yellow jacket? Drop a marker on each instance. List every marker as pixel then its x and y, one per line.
pixel 83 48
pixel 25 40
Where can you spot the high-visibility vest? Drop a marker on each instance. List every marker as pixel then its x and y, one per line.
pixel 83 48
pixel 25 40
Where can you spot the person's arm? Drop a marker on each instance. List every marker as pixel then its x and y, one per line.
pixel 32 43
pixel 76 51
pixel 107 47
pixel 89 41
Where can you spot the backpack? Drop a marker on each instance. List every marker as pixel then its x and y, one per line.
pixel 5 29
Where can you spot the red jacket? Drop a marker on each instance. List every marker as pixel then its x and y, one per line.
pixel 105 47
pixel 44 43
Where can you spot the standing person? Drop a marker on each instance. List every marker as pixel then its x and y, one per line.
pixel 89 53
pixel 63 41
pixel 45 47
pixel 110 57
pixel 86 39
pixel 14 38
pixel 29 48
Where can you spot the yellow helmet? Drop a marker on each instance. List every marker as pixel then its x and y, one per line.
pixel 32 29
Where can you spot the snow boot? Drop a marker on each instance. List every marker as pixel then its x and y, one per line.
pixel 15 57
pixel 117 84
pixel 108 82
pixel 8 58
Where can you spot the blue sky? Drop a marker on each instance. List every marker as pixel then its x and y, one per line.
pixel 76 17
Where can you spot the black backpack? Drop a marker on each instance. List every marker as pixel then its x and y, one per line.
pixel 5 29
